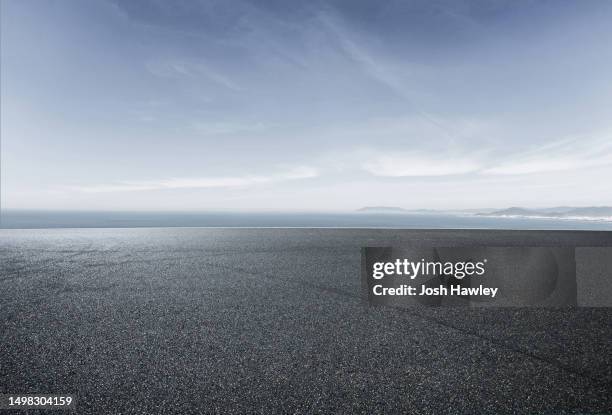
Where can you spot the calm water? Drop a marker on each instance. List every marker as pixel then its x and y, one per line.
pixel 13 219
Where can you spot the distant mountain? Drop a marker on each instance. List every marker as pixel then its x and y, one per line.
pixel 568 212
pixel 558 212
pixel 591 211
pixel 512 211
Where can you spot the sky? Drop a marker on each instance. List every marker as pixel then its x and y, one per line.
pixel 281 105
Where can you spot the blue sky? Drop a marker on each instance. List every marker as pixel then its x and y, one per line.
pixel 305 105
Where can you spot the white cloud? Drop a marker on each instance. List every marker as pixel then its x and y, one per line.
pixel 570 154
pixel 534 166
pixel 405 165
pixel 201 182
pixel 563 155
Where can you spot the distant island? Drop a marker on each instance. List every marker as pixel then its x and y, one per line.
pixel 558 212
pixel 565 212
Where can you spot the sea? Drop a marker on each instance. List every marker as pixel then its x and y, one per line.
pixel 33 219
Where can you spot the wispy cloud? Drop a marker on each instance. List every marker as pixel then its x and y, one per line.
pixel 191 68
pixel 415 165
pixel 570 154
pixel 566 154
pixel 200 182
pixel 375 67
pixel 379 69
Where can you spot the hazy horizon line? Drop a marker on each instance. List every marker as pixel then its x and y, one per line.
pixel 275 210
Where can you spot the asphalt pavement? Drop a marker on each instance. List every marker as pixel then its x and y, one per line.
pixel 196 320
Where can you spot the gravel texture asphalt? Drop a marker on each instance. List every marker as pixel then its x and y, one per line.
pixel 196 320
